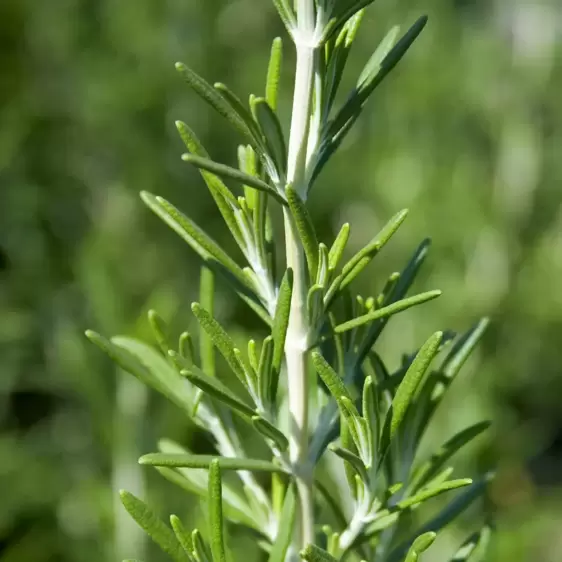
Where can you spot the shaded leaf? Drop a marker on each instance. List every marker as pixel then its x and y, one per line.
pixel 154 527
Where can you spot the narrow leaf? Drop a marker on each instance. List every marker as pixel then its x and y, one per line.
pixel 334 383
pixel 272 132
pixel 213 387
pixel 421 544
pixel 386 311
pixel 158 531
pixel 199 241
pixel 207 298
pixel 372 67
pixel 269 431
pixel 183 537
pixel 274 73
pixel 232 173
pixel 434 491
pixel 362 258
pixel 264 370
pixel 147 365
pixel 286 527
pixel 213 98
pixel 430 468
pixel 405 281
pixel 407 389
pixel 280 325
pixel 338 247
pixel 159 329
pixel 204 461
pixel 352 459
pixel 215 511
pixel 305 228
pixel 200 549
pixel 445 516
pixel 220 339
pixel 286 14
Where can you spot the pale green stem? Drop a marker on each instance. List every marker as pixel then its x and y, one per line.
pixel 298 330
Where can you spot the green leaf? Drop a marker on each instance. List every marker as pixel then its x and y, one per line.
pixel 313 553
pixel 154 527
pixel 204 461
pixel 215 511
pixel 430 468
pixel 372 67
pixel 284 535
pixel 223 197
pixel 183 537
pixel 334 383
pixel 269 431
pixel 377 75
pixel 213 387
pixel 213 98
pixel 463 348
pixel 232 173
pixel 323 265
pixel 315 305
pixel 186 348
pixel 159 329
pixel 371 412
pixel 387 311
pixel 199 241
pixel 434 491
pixel 405 281
pixel 286 14
pixel 338 247
pixel 264 370
pixel 147 365
pixel 348 443
pixel 475 547
pixel 362 258
pixel 274 73
pixel 445 516
pixel 206 344
pixel 220 339
pixel 273 134
pixel 238 107
pixel 280 325
pixel 352 459
pixel 200 550
pixel 338 58
pixel 407 389
pixel 421 544
pixel 359 96
pixel 305 229
pixel 196 481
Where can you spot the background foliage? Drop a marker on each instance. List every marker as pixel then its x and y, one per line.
pixel 468 135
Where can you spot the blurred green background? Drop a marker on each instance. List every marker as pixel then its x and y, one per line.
pixel 467 133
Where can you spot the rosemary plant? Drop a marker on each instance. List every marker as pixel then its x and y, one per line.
pixel 315 388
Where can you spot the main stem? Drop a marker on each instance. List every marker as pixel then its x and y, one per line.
pixel 298 330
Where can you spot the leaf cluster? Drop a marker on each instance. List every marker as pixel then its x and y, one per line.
pixel 369 417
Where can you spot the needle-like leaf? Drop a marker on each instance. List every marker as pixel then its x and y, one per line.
pixel 274 73
pixel 215 511
pixel 204 461
pixel 155 528
pixel 407 390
